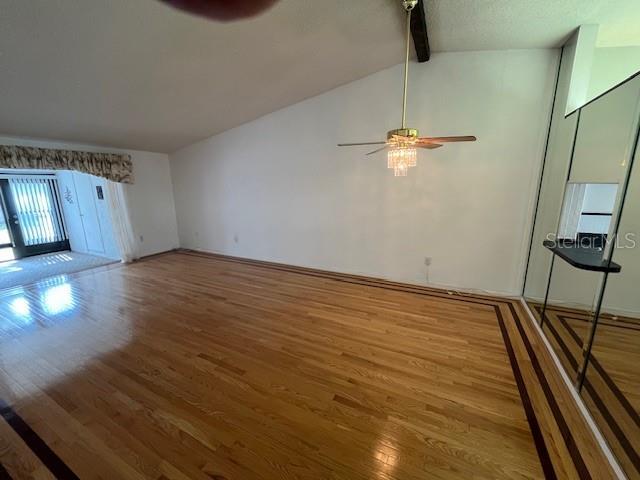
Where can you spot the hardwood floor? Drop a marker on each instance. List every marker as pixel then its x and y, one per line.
pixel 612 386
pixel 194 366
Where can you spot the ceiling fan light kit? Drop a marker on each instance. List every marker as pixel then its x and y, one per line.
pixel 402 143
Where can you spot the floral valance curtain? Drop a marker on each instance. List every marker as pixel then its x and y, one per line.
pixel 114 167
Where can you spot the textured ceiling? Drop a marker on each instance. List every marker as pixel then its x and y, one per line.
pixel 137 74
pixel 504 24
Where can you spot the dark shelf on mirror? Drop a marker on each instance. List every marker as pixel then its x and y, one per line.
pixel 584 258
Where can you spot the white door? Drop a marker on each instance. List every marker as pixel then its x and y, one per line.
pixel 100 197
pixel 71 212
pixel 88 213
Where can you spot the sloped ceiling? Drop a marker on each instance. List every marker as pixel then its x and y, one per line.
pixel 138 74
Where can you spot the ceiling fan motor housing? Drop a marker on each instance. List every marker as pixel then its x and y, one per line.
pixel 409 5
pixel 403 132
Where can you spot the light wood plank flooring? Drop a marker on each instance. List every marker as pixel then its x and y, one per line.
pixel 194 366
pixel 611 389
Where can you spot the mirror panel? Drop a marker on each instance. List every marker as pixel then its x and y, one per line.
pixel 589 208
pixel 554 176
pixel 584 227
pixel 569 313
pixel 611 389
pixel 605 137
pixel 587 213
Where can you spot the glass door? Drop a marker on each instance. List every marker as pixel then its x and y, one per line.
pixel 32 215
pixel 5 234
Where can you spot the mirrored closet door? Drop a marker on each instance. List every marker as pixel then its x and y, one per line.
pixel 583 277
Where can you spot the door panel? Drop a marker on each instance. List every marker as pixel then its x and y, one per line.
pixel 5 234
pixel 104 217
pixel 71 210
pixel 89 213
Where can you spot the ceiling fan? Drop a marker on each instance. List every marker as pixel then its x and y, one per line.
pixel 402 143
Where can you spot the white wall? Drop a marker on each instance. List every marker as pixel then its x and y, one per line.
pixel 612 65
pixel 150 197
pixel 279 189
pixel 153 213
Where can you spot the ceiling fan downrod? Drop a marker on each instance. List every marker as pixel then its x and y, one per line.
pixel 408 5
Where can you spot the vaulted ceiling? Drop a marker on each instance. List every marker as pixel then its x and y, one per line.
pixel 138 74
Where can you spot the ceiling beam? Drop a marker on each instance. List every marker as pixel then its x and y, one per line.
pixel 419 32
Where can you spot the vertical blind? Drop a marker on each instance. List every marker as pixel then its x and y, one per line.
pixel 38 209
pixel 5 239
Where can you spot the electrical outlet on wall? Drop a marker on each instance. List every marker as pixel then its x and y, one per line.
pixel 427 262
pixel 235 238
pixel 141 239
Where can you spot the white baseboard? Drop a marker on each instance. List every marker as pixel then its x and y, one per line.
pixel 619 312
pixel 452 289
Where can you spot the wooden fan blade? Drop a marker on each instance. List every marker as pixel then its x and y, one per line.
pixel 428 146
pixel 360 143
pixel 464 138
pixel 378 150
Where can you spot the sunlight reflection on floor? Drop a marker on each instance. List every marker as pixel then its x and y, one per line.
pixel 32 269
pixel 46 321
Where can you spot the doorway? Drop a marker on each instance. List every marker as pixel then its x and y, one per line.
pixel 31 221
